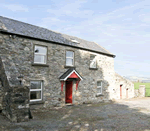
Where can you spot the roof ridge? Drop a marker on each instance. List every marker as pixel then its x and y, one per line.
pixel 123 77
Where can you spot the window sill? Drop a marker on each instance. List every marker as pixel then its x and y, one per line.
pixel 93 68
pixel 36 64
pixel 69 66
pixel 36 102
pixel 98 95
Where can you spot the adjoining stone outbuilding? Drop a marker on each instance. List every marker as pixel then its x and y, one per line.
pixel 124 89
pixel 56 69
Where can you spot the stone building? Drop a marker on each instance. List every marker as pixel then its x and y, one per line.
pixel 55 69
pixel 124 89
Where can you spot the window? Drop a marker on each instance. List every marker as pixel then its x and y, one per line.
pixel 69 58
pixel 40 54
pixel 36 91
pixel 99 87
pixel 75 41
pixel 93 63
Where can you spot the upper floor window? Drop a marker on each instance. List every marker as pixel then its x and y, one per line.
pixel 36 91
pixel 99 87
pixel 93 63
pixel 40 54
pixel 69 58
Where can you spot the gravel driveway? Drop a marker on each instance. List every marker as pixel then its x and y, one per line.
pixel 123 115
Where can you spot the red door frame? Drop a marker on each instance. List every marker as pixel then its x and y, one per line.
pixel 120 91
pixel 68 93
pixel 127 93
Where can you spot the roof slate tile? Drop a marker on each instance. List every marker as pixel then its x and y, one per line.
pixel 21 28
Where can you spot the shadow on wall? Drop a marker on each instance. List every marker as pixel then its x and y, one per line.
pixel 0 96
pixel 14 98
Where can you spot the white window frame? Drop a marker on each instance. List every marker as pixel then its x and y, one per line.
pixel 70 58
pixel 93 61
pixel 40 54
pixel 33 90
pixel 98 87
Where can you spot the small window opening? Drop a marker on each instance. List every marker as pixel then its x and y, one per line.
pixel 75 41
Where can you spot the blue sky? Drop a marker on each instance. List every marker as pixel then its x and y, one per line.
pixel 120 26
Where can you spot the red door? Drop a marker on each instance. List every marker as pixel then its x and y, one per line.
pixel 127 93
pixel 120 91
pixel 68 91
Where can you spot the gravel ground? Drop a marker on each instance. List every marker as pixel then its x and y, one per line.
pixel 122 115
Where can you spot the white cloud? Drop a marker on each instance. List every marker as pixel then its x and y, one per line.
pixel 73 9
pixel 15 7
pixel 50 22
pixel 122 30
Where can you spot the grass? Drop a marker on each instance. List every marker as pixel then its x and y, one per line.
pixel 136 85
pixel 147 87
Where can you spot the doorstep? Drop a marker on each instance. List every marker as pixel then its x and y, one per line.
pixel 69 104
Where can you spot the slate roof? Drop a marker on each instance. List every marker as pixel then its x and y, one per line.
pixel 32 31
pixel 63 76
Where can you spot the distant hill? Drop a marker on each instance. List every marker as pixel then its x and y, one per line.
pixel 138 79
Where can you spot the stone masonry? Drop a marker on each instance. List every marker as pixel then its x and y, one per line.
pixel 17 43
pixel 14 98
pixel 127 88
pixel 0 99
pixel 16 104
pixel 140 92
pixel 20 52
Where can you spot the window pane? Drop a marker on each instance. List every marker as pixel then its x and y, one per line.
pixel 93 61
pixel 41 50
pixel 99 83
pixel 69 61
pixel 92 57
pixel 36 85
pixel 39 58
pixel 69 54
pixel 93 64
pixel 35 95
pixel 99 90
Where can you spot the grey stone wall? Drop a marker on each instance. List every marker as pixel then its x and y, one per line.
pixel 20 53
pixel 16 104
pixel 0 96
pixel 136 93
pixel 140 92
pixel 0 100
pixel 14 98
pixel 127 88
